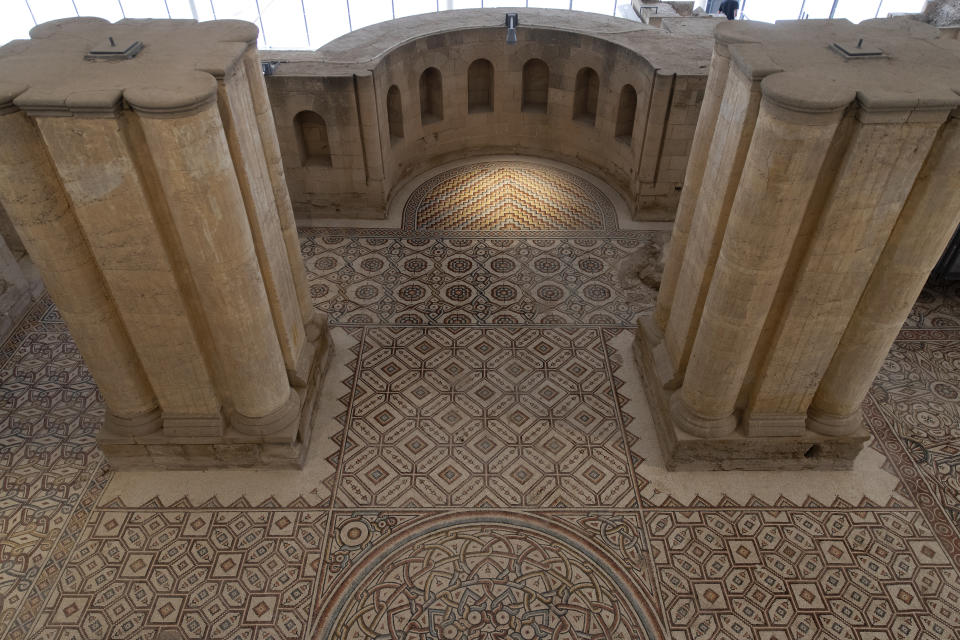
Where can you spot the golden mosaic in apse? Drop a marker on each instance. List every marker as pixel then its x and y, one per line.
pixel 508 196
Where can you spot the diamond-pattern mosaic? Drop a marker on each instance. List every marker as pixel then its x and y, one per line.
pixel 471 416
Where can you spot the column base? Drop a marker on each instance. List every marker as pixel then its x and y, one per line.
pixel 829 424
pixel 181 449
pixel 736 451
pixel 128 427
pixel 691 422
pixel 276 425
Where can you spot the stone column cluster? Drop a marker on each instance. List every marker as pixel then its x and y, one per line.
pixel 149 192
pixel 823 185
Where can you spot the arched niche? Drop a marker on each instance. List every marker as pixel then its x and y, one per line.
pixel 626 113
pixel 431 96
pixel 536 86
pixel 586 94
pixel 395 113
pixel 480 86
pixel 311 130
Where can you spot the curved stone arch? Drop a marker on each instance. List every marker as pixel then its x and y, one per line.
pixel 538 534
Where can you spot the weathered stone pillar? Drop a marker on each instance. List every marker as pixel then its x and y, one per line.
pixel 725 157
pixel 787 149
pixel 314 321
pixel 158 172
pixel 834 180
pixel 114 208
pixel 921 234
pixel 693 179
pixel 195 170
pixel 34 198
pixel 883 156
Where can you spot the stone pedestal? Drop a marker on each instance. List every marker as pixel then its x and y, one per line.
pixel 824 184
pixel 148 191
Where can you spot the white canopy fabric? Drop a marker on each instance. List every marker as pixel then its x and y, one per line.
pixel 309 24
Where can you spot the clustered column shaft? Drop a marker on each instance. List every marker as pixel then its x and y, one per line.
pixel 820 191
pixel 150 192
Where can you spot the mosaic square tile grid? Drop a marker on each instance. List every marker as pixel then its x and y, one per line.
pixel 486 470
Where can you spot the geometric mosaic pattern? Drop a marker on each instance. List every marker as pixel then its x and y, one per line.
pixel 505 417
pixel 460 577
pixel 507 195
pixel 488 483
pixel 493 281
pixel 207 573
pixel 938 307
pixel 49 416
pixel 803 574
pixel 918 391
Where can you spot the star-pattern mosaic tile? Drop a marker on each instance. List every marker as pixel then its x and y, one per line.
pixel 494 477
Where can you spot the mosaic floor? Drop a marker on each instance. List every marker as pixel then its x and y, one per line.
pixel 484 468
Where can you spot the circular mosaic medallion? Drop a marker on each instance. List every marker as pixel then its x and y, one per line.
pixel 547 265
pixel 550 293
pixel 590 265
pixel 502 265
pixel 363 292
pixel 458 293
pixel 459 265
pixel 412 293
pixel 484 580
pixel 414 265
pixel 372 265
pixel 324 263
pixel 503 292
pixel 595 292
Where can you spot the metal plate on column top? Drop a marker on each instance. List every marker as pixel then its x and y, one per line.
pixel 857 50
pixel 111 49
